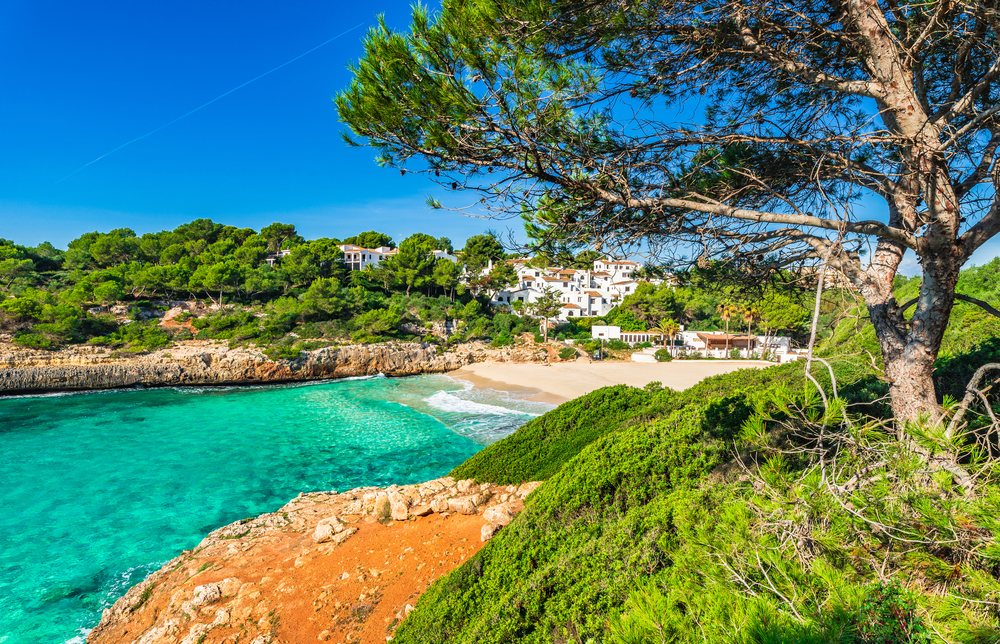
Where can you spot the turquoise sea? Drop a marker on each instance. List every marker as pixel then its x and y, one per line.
pixel 99 489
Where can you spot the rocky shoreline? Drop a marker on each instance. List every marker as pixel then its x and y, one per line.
pixel 206 362
pixel 344 567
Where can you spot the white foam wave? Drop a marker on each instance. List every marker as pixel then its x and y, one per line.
pixel 446 401
pixel 79 639
pixel 378 375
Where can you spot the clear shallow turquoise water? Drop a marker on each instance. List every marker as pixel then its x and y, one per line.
pixel 97 490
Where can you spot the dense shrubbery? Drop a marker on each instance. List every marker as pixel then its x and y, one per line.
pixel 705 515
pixel 308 293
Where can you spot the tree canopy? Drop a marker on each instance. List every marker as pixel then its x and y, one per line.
pixel 790 113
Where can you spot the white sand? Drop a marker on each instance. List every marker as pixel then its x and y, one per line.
pixel 567 380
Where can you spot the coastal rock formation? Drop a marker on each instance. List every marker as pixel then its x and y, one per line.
pixel 335 567
pixel 210 363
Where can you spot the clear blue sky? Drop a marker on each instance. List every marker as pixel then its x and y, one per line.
pixel 80 79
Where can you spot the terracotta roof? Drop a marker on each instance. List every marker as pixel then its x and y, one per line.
pixel 593 294
pixel 571 306
pixel 723 336
pixel 567 271
pixel 553 279
pixel 625 282
pixel 603 274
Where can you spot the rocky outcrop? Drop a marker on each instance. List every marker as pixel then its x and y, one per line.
pixel 211 363
pixel 325 567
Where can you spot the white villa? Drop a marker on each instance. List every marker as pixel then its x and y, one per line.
pixel 711 344
pixel 357 258
pixel 584 293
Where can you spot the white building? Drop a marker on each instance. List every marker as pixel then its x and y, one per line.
pixel 357 258
pixel 711 344
pixel 584 293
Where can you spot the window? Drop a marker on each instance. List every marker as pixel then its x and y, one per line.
pixel 626 289
pixel 520 299
pixel 570 314
pixel 579 299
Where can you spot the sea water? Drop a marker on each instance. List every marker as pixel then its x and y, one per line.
pixel 99 489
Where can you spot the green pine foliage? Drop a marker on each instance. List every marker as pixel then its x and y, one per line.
pixel 704 515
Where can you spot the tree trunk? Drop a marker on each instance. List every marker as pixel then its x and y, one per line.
pixel 909 349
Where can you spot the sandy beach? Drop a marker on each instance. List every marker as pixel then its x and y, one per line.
pixel 564 381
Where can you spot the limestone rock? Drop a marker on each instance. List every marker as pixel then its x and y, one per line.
pixel 421 510
pixel 399 506
pixel 206 594
pixel 343 536
pixel 462 505
pixel 230 586
pixel 466 486
pixel 439 505
pixel 488 531
pixel 498 514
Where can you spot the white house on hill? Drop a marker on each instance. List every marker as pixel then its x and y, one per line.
pixel 357 258
pixel 583 292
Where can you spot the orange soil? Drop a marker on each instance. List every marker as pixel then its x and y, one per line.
pixel 298 591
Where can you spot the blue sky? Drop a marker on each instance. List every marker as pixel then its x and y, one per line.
pixel 80 79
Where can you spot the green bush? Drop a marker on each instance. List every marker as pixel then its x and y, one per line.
pixel 617 345
pixel 538 449
pixel 137 337
pixel 282 352
pixel 889 615
pixel 663 355
pixel 566 353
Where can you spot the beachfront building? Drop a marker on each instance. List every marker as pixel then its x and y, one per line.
pixel 711 344
pixel 583 292
pixel 358 258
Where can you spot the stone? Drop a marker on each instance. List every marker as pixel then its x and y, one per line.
pixel 222 616
pixel 421 510
pixel 439 504
pixel 206 594
pixel 354 507
pixel 324 532
pixel 382 509
pixel 196 634
pixel 341 537
pixel 527 488
pixel 230 586
pixel 498 514
pixel 466 485
pixel 489 531
pixel 399 506
pixel 324 636
pixel 462 505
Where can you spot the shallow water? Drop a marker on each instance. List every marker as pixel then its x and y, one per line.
pixel 99 489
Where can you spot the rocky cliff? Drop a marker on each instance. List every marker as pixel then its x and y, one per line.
pixel 210 363
pixel 331 567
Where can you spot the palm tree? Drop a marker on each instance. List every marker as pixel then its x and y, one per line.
pixel 667 330
pixel 726 313
pixel 750 315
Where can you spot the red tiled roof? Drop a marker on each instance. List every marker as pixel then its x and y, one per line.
pixel 571 306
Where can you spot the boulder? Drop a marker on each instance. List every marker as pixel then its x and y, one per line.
pixel 399 506
pixel 466 486
pixel 230 586
pixel 382 509
pixel 206 594
pixel 421 510
pixel 462 505
pixel 341 537
pixel 498 514
pixel 439 505
pixel 489 531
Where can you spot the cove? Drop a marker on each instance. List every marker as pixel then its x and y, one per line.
pixel 100 489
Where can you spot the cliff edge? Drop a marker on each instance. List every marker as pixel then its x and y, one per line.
pixel 345 567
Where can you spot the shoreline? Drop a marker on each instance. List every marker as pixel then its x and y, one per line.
pixel 561 382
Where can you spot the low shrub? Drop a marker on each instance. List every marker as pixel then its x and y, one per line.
pixel 567 353
pixel 663 355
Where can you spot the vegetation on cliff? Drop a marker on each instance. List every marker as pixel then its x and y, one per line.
pixel 271 287
pixel 742 510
